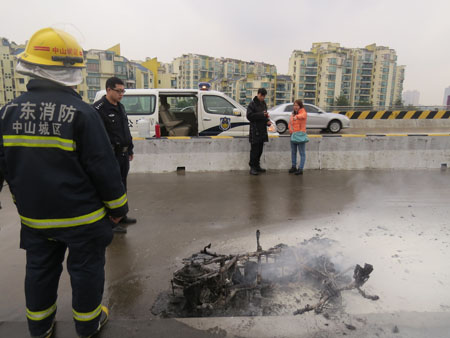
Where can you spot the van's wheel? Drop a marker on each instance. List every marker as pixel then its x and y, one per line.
pixel 334 126
pixel 281 127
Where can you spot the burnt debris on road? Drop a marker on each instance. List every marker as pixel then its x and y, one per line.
pixel 264 282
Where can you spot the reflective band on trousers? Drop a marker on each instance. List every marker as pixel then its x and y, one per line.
pixel 116 203
pixel 41 315
pixel 86 316
pixel 38 141
pixel 64 222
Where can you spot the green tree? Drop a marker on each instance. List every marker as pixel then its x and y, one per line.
pixel 341 101
pixel 398 103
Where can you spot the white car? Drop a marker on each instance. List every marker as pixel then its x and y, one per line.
pixel 317 118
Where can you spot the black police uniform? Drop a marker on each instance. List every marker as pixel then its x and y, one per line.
pixel 116 123
pixel 258 130
pixel 56 157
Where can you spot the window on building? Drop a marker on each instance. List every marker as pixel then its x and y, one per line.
pixel 21 81
pixel 332 61
pixel 92 67
pixel 93 81
pixel 91 95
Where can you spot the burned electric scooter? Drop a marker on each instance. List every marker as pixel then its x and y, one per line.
pixel 211 282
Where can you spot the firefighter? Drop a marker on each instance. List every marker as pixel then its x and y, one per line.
pixel 65 181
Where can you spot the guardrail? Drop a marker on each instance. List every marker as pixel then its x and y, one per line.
pixel 384 108
pixel 395 114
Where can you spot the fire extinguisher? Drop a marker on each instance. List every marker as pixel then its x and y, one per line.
pixel 157 130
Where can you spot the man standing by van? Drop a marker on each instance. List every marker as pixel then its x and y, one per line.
pixel 259 120
pixel 115 119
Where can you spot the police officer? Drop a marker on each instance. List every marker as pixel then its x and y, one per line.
pixel 115 119
pixel 60 168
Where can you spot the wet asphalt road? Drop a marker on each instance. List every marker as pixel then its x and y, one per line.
pixel 396 220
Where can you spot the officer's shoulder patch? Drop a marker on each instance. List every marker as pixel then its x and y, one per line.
pixel 99 105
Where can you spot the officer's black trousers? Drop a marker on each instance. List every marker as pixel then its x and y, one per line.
pixel 45 250
pixel 124 164
pixel 255 154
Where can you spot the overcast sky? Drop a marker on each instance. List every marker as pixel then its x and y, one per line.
pixel 264 30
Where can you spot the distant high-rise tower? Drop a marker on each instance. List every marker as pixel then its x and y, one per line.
pixel 446 97
pixel 411 97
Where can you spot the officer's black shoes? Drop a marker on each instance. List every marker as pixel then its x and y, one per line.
pixel 261 170
pixel 292 170
pixel 103 320
pixel 48 333
pixel 299 172
pixel 254 171
pixel 128 220
pixel 118 229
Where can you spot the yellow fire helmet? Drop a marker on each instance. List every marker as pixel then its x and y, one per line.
pixel 53 47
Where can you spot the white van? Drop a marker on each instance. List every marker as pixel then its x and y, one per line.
pixel 185 112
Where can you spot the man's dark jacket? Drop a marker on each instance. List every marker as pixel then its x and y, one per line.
pixel 57 160
pixel 258 121
pixel 116 123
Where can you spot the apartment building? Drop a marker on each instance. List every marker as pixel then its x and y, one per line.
pixel 12 84
pixel 398 88
pixel 243 89
pixel 103 64
pixel 194 68
pixel 236 78
pixel 365 76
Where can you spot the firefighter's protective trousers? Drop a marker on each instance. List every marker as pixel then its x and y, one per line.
pixel 45 251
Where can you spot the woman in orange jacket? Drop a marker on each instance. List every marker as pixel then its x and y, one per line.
pixel 297 122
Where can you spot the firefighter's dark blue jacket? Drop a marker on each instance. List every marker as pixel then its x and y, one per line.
pixel 57 159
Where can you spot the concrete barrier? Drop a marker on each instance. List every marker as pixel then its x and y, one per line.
pixel 387 151
pixel 416 123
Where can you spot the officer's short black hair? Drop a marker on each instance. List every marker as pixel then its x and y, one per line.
pixel 113 81
pixel 262 91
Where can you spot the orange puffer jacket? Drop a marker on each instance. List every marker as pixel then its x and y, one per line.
pixel 298 122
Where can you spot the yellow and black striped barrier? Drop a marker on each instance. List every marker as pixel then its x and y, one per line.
pixel 309 135
pixel 396 114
